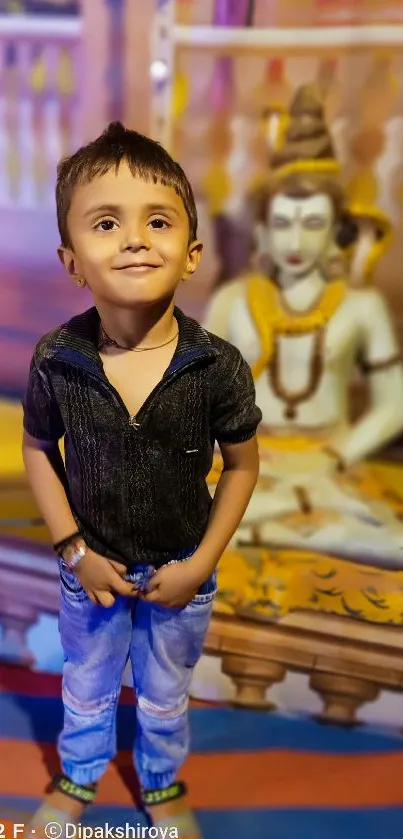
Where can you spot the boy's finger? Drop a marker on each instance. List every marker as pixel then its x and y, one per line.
pixel 122 586
pixel 106 599
pixel 153 583
pixel 118 567
pixel 151 596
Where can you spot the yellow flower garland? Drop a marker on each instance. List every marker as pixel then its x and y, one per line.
pixel 270 318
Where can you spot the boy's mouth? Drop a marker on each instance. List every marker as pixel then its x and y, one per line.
pixel 137 267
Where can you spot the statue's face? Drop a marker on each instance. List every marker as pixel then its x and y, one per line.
pixel 300 232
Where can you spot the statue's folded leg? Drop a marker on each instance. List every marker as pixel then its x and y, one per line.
pixel 281 501
pixel 324 492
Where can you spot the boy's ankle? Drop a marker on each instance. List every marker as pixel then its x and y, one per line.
pixel 60 801
pixel 176 815
pixel 57 807
pixel 170 808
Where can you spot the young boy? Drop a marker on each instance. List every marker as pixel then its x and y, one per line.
pixel 140 393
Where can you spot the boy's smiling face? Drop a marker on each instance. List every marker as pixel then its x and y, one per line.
pixel 130 239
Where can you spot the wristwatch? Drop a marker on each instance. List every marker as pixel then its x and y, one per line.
pixel 73 553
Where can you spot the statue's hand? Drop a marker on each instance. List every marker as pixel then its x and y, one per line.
pixel 298 464
pixel 317 463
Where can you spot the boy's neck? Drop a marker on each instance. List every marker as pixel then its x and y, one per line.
pixel 148 325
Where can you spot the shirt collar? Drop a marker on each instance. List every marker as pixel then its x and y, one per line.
pixel 79 339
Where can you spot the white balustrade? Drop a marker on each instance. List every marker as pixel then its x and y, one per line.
pixel 40 69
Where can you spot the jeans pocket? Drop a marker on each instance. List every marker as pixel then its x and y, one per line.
pixel 207 591
pixel 70 584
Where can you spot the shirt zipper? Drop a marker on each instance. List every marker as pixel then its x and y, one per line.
pixel 135 421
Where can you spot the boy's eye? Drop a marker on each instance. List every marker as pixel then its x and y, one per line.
pixel 158 224
pixel 106 224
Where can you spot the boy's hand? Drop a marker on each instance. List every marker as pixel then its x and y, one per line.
pixel 173 585
pixel 102 579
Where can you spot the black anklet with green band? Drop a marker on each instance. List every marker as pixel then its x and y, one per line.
pixel 161 796
pixel 79 792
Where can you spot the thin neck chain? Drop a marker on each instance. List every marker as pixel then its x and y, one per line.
pixel 106 341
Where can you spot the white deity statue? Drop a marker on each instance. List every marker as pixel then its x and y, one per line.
pixel 305 334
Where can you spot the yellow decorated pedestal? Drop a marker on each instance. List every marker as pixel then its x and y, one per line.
pixel 270 583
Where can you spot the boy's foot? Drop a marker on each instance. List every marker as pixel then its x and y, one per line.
pixel 175 814
pixel 57 808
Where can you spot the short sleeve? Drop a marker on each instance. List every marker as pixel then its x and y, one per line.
pixel 234 413
pixel 42 418
pixel 379 346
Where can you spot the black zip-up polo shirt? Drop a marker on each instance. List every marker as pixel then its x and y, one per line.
pixel 138 488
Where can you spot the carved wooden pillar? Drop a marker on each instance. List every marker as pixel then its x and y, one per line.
pixel 115 74
pixel 252 678
pixel 95 92
pixel 342 696
pixel 136 60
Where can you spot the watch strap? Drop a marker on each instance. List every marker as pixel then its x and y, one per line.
pixel 59 547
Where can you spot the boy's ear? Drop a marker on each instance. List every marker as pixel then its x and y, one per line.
pixel 193 258
pixel 68 261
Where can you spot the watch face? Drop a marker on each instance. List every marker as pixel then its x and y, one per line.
pixel 73 554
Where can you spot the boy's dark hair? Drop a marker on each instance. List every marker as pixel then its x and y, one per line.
pixel 146 158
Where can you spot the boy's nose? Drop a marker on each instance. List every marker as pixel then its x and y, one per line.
pixel 137 239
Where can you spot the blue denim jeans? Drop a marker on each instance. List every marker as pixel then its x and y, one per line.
pixel 163 646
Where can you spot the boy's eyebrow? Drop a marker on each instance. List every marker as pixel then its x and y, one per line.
pixel 162 208
pixel 116 208
pixel 102 208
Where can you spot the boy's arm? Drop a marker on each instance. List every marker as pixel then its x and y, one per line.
pixel 234 489
pixel 43 428
pixel 101 578
pixel 45 471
